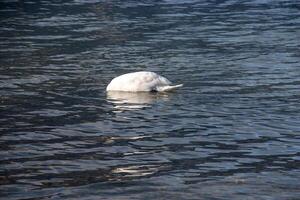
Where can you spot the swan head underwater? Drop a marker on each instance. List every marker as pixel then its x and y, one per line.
pixel 142 81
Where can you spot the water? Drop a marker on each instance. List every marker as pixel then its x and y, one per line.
pixel 232 131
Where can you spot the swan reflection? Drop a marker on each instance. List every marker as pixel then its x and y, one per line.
pixel 133 100
pixel 138 170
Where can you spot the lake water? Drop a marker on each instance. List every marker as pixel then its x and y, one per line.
pixel 232 131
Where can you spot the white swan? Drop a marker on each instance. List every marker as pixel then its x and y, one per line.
pixel 141 82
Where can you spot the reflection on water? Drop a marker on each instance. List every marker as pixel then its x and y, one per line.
pixel 138 171
pixel 134 100
pixel 232 131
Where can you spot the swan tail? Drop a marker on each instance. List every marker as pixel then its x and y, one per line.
pixel 168 88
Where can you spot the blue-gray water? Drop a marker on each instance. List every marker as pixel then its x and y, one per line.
pixel 232 131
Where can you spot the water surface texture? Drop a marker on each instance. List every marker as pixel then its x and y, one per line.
pixel 232 131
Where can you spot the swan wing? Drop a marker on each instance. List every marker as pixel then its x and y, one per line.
pixel 137 81
pixel 140 81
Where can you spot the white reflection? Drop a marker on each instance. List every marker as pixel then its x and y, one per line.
pixel 138 171
pixel 133 100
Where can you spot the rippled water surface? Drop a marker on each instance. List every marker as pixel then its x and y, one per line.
pixel 232 131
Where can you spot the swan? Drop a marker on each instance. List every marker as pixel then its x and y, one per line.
pixel 142 81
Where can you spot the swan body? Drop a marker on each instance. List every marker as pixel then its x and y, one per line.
pixel 141 82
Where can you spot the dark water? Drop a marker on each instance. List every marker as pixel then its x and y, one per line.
pixel 232 131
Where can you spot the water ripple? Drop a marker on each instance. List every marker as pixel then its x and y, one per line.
pixel 232 129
